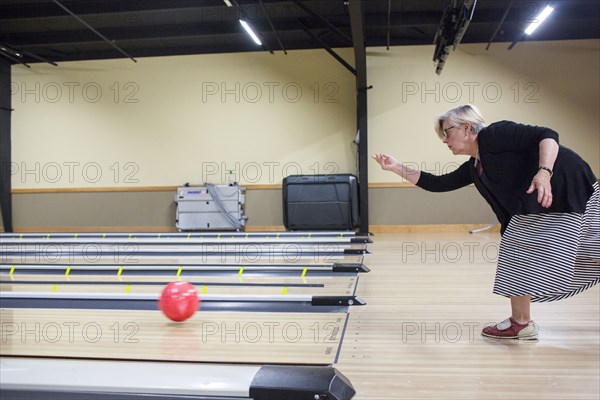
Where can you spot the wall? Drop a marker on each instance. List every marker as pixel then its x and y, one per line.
pixel 169 120
pixel 166 121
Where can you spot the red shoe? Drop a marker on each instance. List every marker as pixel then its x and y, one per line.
pixel 511 329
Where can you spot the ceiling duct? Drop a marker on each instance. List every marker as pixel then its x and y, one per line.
pixel 452 27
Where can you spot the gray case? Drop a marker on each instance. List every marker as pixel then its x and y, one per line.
pixel 198 210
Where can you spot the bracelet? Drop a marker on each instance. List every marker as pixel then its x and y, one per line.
pixel 546 169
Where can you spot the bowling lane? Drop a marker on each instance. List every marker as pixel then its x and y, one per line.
pixel 132 258
pixel 169 248
pixel 263 285
pixel 224 337
pixel 297 235
pixel 24 242
pixel 176 270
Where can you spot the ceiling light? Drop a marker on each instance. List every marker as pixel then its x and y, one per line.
pixel 250 32
pixel 228 3
pixel 539 19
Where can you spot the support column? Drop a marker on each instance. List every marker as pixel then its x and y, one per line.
pixel 5 145
pixel 360 63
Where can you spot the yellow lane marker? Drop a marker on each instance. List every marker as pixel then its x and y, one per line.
pixel 119 273
pixel 54 288
pixel 75 237
pixel 241 272
pixel 204 289
pixel 189 234
pixel 68 271
pixel 284 291
pixel 104 236
pixel 128 288
pixel 179 272
pixel 304 272
pixel 12 270
pixel 277 235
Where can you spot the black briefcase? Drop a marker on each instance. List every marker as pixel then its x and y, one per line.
pixel 320 202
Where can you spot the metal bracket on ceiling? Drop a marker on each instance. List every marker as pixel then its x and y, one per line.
pixel 111 42
pixel 500 24
pixel 327 48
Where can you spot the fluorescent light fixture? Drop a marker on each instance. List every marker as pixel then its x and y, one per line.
pixel 228 3
pixel 250 32
pixel 539 19
pixel 16 53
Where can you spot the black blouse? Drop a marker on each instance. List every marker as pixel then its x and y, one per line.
pixel 509 154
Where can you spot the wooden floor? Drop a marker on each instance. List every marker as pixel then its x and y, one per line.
pixel 429 295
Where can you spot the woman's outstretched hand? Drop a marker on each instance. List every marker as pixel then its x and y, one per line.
pixel 541 183
pixel 389 163
pixel 386 161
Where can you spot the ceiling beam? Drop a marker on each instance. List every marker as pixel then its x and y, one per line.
pixel 93 9
pixel 12 32
pixel 188 30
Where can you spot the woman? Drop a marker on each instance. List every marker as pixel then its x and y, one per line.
pixel 546 198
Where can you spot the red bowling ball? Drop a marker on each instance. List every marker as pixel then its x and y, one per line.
pixel 179 301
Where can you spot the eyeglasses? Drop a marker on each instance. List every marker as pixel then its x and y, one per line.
pixel 446 132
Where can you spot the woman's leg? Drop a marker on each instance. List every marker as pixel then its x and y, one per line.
pixel 521 307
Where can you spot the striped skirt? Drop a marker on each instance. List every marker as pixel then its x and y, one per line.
pixel 550 256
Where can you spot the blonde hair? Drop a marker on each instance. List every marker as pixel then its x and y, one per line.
pixel 458 116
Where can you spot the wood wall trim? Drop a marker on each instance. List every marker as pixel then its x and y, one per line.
pixel 133 189
pixel 274 186
pixel 391 185
pixel 126 189
pixel 432 228
pixel 96 190
pixel 119 229
pixel 128 229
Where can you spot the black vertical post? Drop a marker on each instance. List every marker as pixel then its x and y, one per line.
pixel 5 145
pixel 360 61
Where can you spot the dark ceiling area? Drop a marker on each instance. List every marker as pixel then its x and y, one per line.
pixel 34 31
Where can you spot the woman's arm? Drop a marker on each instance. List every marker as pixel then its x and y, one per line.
pixel 433 183
pixel 541 180
pixel 389 163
